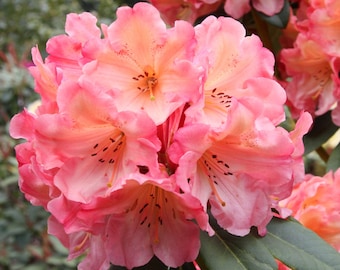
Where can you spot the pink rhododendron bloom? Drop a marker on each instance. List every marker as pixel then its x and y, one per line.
pixel 231 59
pixel 311 66
pixel 237 8
pixel 143 127
pixel 237 170
pixel 152 220
pixel 139 220
pixel 324 22
pixel 88 134
pixel 188 10
pixel 315 203
pixel 150 71
pixel 312 71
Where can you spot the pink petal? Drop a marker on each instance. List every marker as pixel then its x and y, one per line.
pixel 237 8
pixel 269 8
pixel 246 206
pixel 82 26
pixel 230 59
pixel 47 77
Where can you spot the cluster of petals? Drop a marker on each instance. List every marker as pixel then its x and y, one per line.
pixel 315 203
pixel 312 62
pixel 143 128
pixel 191 10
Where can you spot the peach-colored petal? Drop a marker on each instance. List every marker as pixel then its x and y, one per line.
pixel 312 85
pixel 325 27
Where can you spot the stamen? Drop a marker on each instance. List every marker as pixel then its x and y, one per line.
pixel 156 212
pixel 212 184
pixel 147 81
pixel 213 187
pixel 80 246
pixel 151 83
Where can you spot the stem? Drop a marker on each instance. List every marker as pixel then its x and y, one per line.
pixel 262 29
pixel 322 153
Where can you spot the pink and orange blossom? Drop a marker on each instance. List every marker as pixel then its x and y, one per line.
pixel 311 65
pixel 143 128
pixel 152 64
pixel 315 203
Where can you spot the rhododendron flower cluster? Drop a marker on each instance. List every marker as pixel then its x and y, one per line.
pixel 312 64
pixel 142 129
pixel 315 203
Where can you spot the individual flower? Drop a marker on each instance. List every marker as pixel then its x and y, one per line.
pixel 237 8
pixel 243 171
pixel 88 134
pixel 188 10
pixel 231 60
pixel 313 74
pixel 324 22
pixel 145 65
pixel 143 218
pixel 311 66
pixel 315 203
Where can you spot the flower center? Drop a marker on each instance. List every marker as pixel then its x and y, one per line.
pixel 83 242
pixel 216 169
pixel 147 81
pixel 151 207
pixel 219 97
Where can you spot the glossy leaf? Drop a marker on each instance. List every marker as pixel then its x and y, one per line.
pixel 216 254
pixel 226 251
pixel 286 240
pixel 334 159
pixel 323 128
pixel 298 247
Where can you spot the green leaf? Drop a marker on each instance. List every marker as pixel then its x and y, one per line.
pixel 280 19
pixel 323 128
pixel 286 240
pixel 251 251
pixel 298 247
pixel 334 159
pixel 226 251
pixel 216 254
